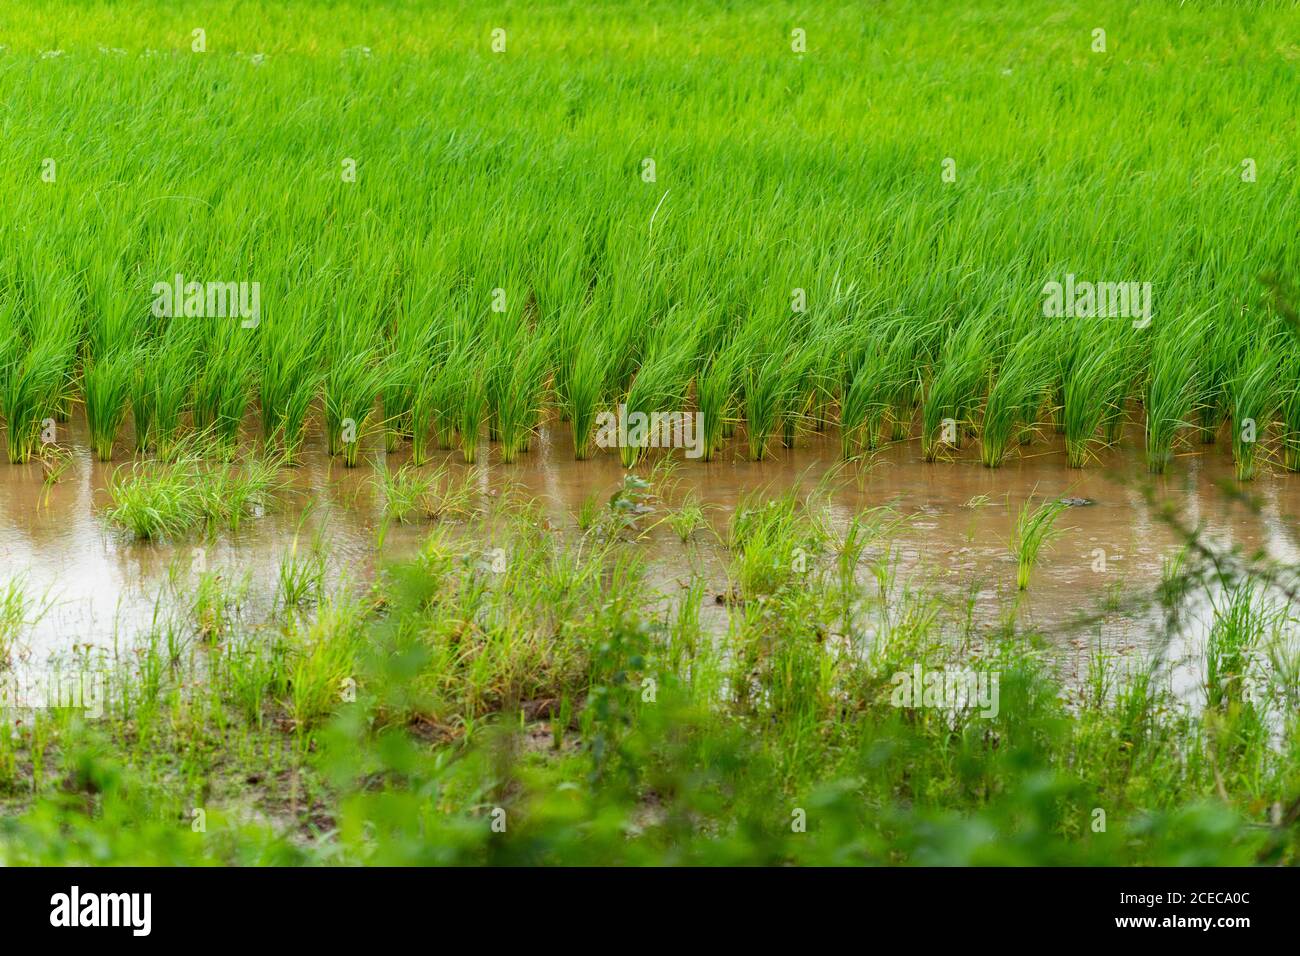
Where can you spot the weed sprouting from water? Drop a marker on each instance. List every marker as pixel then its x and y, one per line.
pixel 1035 530
pixel 157 499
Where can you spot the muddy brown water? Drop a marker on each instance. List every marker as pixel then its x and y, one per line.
pixel 103 589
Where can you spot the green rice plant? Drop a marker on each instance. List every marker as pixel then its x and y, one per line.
pixel 1174 583
pixel 1035 530
pixel 18 611
pixel 879 386
pixel 229 491
pixel 160 390
pixel 659 386
pixel 1169 396
pixel 1093 393
pixel 156 499
pixel 1281 665
pixel 169 381
pixel 107 385
pixel 504 335
pixel 801 396
pixel 1255 398
pixel 715 396
pixel 323 656
pixel 1289 409
pixel 582 394
pixel 300 573
pixel 604 271
pixel 1117 401
pixel 769 387
pixel 1070 347
pixel 471 411
pixel 142 398
pixel 55 303
pixel 1019 387
pixel 435 410
pixel 828 357
pixel 524 171
pixel 223 387
pixel 863 529
pixel 957 385
pixel 573 338
pixel 252 669
pixel 904 370
pixel 761 401
pixel 34 383
pixel 519 403
pixel 1216 361
pixel 214 604
pixel 423 414
pixel 772 542
pixel 110 353
pixel 453 497
pixel 288 382
pixel 56 461
pixel 862 405
pixel 409 359
pixel 353 381
pixel 589 511
pixel 1238 625
pixel 823 379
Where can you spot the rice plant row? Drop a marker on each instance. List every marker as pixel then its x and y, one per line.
pixel 428 242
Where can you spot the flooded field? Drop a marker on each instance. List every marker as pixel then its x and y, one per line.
pixel 952 522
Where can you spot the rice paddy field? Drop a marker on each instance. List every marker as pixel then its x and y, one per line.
pixel 651 434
